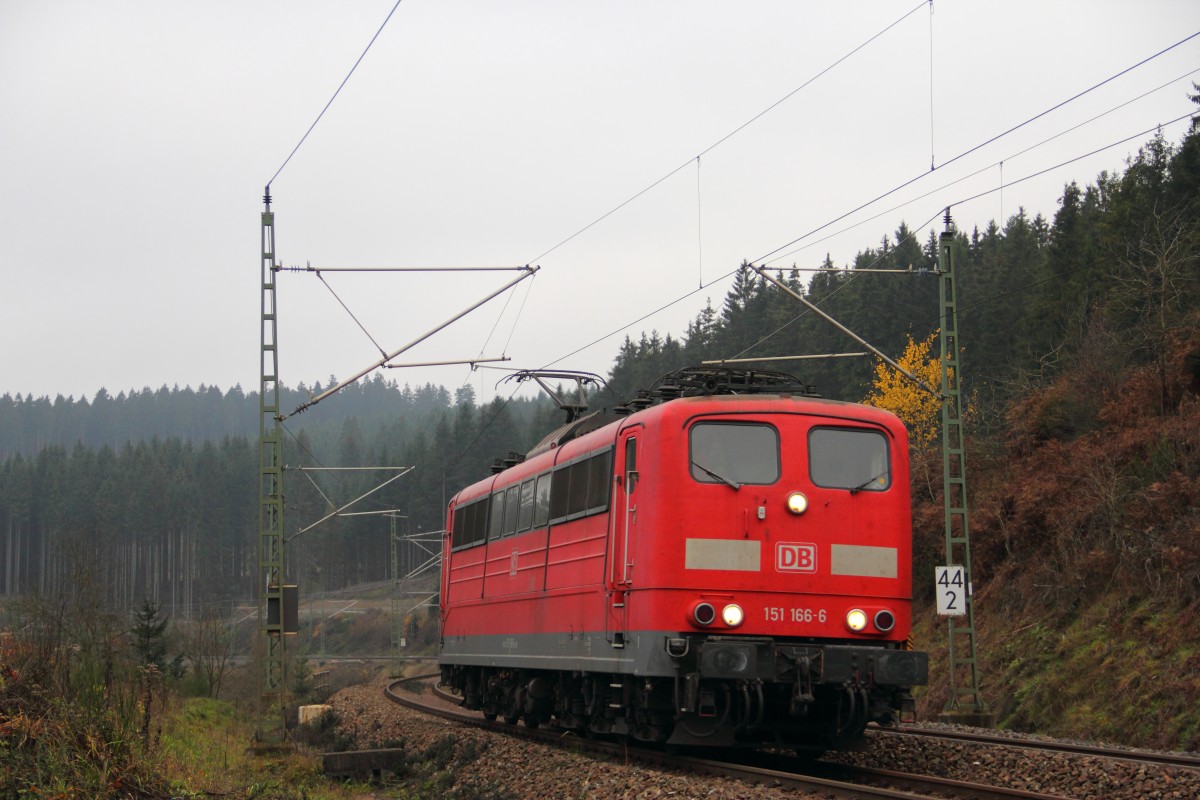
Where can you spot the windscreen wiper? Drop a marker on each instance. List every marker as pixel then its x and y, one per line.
pixel 733 485
pixel 862 486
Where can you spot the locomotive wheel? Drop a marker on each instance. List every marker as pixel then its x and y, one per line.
pixel 531 721
pixel 510 720
pixel 490 716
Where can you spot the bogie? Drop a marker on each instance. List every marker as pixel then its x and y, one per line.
pixel 725 713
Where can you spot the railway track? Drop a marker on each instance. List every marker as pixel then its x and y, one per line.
pixel 1182 760
pixel 827 780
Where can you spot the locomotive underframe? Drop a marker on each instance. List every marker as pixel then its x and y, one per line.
pixel 715 692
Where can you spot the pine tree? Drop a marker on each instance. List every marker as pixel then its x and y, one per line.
pixel 149 635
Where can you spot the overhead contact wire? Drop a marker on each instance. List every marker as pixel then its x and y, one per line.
pixel 646 316
pixel 984 194
pixel 1110 79
pixel 1061 164
pixel 697 159
pixel 964 200
pixel 958 202
pixel 729 135
pixel 965 153
pixel 898 188
pixel 508 400
pixel 482 430
pixel 981 170
pixel 1037 174
pixel 912 234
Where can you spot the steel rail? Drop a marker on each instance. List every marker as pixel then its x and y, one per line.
pixel 837 780
pixel 1185 760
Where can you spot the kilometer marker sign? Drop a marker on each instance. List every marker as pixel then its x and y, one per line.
pixel 950 586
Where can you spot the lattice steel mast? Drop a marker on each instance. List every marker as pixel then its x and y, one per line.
pixel 964 669
pixel 272 731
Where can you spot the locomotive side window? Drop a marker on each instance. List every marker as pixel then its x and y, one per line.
pixel 496 519
pixel 598 480
pixel 734 453
pixel 526 518
pixel 541 510
pixel 631 470
pixel 581 487
pixel 460 520
pixel 849 458
pixel 510 510
pixel 469 525
pixel 559 486
pixel 476 532
pixel 578 492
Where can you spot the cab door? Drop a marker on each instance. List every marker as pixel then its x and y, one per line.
pixel 623 530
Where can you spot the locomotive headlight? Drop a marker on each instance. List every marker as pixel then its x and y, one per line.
pixel 797 503
pixel 856 619
pixel 732 615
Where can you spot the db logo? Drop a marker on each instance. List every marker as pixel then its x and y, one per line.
pixel 795 557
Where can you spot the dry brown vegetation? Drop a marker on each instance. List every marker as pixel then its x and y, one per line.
pixel 78 718
pixel 1086 545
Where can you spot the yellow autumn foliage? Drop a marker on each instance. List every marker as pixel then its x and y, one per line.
pixel 920 411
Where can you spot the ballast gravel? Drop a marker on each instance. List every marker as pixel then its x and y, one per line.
pixel 459 761
pixel 484 764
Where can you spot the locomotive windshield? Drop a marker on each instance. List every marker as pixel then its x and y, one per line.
pixel 849 458
pixel 734 453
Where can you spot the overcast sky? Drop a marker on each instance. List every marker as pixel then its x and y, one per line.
pixel 136 139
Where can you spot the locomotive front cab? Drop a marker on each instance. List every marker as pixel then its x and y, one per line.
pixel 774 550
pixel 798 512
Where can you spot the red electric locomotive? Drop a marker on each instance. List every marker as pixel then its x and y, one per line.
pixel 726 561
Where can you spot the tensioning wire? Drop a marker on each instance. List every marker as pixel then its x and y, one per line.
pixel 335 94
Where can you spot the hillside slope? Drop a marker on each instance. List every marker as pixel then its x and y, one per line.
pixel 1085 526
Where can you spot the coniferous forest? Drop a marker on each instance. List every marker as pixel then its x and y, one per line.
pixel 153 493
pixel 153 505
